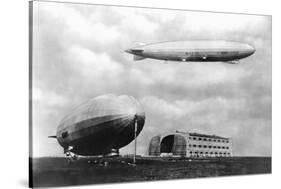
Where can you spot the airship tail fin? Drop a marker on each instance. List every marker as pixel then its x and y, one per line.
pixel 54 136
pixel 136 57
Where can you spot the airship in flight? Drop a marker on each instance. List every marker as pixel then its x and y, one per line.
pixel 100 126
pixel 193 51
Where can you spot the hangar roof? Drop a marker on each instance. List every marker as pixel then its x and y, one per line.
pixel 202 135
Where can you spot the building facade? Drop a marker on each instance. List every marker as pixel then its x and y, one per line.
pixel 185 144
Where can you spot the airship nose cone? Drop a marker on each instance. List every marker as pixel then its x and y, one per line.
pixel 140 116
pixel 251 49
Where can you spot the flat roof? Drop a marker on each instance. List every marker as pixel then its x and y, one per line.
pixel 203 135
pixel 209 136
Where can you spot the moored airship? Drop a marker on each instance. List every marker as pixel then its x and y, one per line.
pixel 101 125
pixel 193 51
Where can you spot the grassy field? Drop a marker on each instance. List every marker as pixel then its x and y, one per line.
pixel 52 171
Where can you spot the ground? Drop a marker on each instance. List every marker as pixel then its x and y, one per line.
pixel 54 171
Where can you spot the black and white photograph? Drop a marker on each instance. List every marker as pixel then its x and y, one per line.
pixel 131 94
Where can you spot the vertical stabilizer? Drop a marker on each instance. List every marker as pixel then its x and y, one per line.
pixel 136 57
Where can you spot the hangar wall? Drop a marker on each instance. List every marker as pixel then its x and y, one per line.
pixel 184 144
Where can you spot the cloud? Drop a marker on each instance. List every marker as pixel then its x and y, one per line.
pixel 92 64
pixel 162 108
pixel 79 54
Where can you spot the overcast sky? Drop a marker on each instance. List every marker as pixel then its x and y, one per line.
pixel 79 54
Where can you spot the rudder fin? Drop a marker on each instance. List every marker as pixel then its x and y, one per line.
pixel 136 57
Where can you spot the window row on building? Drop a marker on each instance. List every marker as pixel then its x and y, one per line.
pixel 209 153
pixel 209 139
pixel 208 146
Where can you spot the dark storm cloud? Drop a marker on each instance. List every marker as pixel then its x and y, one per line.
pixel 79 54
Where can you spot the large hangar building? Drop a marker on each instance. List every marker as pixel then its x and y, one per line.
pixel 185 144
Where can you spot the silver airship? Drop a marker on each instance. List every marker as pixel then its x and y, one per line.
pixel 193 51
pixel 101 126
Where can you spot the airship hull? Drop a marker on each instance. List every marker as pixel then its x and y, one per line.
pixel 197 56
pixel 197 51
pixel 100 133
